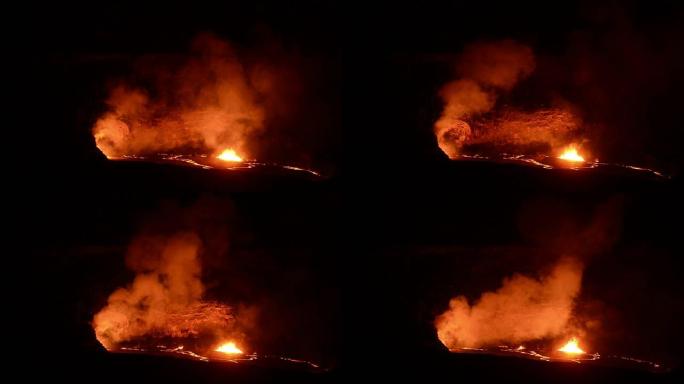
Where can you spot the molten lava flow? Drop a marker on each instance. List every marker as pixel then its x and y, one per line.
pixel 570 154
pixel 229 155
pixel 229 348
pixel 572 347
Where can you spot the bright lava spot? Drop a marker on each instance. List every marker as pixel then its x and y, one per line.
pixel 572 347
pixel 229 348
pixel 229 155
pixel 570 154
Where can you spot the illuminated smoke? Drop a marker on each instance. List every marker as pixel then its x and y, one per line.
pixel 470 116
pixel 165 300
pixel 512 129
pixel 206 103
pixel 522 309
pixel 463 98
pixel 484 70
pixel 498 64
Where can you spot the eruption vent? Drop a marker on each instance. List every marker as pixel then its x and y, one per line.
pixel 572 347
pixel 523 309
pixel 229 155
pixel 165 299
pixel 229 348
pixel 571 154
pixel 206 103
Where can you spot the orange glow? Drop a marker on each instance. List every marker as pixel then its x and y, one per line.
pixel 524 308
pixel 209 99
pixel 570 154
pixel 473 119
pixel 229 155
pixel 165 298
pixel 572 347
pixel 229 348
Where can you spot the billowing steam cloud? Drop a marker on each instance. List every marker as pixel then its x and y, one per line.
pixel 165 299
pixel 523 309
pixel 207 103
pixel 485 71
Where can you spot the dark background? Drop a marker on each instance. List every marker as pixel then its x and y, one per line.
pixel 395 230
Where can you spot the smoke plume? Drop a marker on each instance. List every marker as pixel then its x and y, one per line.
pixel 523 309
pixel 485 72
pixel 165 300
pixel 207 102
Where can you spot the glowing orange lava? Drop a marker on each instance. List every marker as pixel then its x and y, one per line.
pixel 229 348
pixel 572 347
pixel 570 154
pixel 229 155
